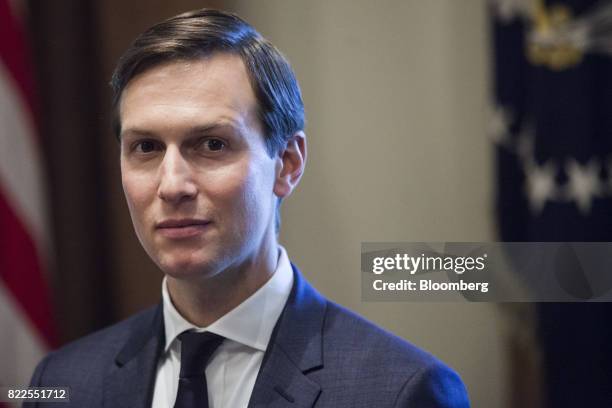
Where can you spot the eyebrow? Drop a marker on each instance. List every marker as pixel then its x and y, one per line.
pixel 194 131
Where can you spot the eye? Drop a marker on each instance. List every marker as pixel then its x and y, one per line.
pixel 145 146
pixel 212 145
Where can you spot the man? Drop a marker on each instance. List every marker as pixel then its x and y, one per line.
pixel 210 121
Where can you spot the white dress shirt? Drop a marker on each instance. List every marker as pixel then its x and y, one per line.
pixel 233 368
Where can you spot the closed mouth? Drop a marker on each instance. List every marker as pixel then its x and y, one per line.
pixel 181 223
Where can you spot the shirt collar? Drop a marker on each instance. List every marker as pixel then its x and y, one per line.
pixel 251 322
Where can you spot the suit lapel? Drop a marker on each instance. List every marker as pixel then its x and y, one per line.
pixel 296 348
pixel 130 382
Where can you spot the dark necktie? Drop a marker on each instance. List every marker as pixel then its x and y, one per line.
pixel 196 349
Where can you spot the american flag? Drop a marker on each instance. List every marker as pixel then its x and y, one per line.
pixel 26 328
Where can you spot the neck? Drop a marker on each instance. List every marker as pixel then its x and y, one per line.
pixel 206 300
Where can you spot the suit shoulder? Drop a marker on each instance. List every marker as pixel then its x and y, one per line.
pixel 100 347
pixel 361 357
pixel 348 331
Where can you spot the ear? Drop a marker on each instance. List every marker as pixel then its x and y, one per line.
pixel 290 164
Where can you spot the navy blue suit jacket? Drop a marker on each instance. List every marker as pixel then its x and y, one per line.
pixel 320 355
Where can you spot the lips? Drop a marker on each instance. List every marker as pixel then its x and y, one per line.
pixel 182 228
pixel 180 223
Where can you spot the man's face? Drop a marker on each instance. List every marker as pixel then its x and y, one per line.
pixel 198 179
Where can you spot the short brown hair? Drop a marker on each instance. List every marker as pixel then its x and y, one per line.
pixel 201 33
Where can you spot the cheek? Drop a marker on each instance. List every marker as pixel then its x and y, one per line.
pixel 243 192
pixel 136 193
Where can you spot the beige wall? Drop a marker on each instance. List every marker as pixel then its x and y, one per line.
pixel 395 95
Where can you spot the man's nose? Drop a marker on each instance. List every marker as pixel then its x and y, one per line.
pixel 176 183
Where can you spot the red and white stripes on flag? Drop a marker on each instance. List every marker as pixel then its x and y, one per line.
pixel 26 329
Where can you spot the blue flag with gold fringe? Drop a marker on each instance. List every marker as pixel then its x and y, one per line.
pixel 552 128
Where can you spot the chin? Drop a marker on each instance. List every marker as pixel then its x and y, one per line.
pixel 189 268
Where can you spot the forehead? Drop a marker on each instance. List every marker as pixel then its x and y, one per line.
pixel 202 90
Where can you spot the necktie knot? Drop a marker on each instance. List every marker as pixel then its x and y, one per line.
pixel 196 350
